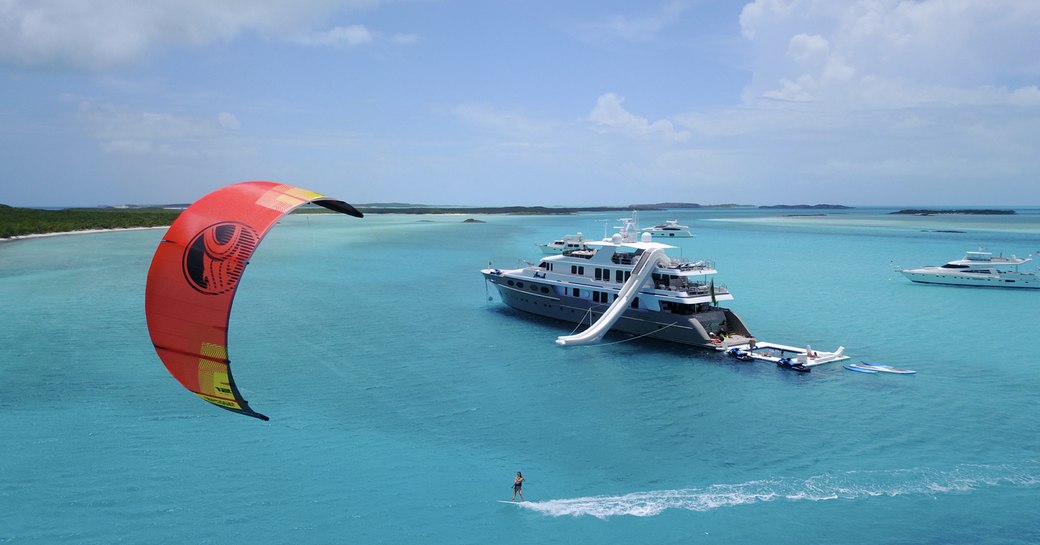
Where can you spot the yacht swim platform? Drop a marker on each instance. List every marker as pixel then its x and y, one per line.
pixel 774 352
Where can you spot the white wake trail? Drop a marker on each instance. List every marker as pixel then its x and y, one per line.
pixel 828 486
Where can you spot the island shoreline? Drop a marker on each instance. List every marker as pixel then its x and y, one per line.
pixel 16 238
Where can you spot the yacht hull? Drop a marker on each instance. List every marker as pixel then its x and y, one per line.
pixel 684 329
pixel 983 281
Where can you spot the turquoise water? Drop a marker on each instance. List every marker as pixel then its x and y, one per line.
pixel 403 401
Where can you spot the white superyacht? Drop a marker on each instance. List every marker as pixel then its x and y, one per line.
pixel 628 286
pixel 977 269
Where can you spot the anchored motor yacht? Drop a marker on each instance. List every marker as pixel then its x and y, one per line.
pixel 669 229
pixel 565 244
pixel 980 269
pixel 628 286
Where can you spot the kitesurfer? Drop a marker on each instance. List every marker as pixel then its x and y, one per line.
pixel 518 483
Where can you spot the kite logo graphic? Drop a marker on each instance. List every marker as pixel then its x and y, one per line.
pixel 217 256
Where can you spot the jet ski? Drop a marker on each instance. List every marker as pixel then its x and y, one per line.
pixel 740 354
pixel 787 363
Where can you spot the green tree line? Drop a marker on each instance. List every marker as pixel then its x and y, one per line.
pixel 16 222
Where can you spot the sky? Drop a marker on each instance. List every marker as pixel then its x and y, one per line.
pixel 510 102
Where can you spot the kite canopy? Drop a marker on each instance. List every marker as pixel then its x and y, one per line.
pixel 194 275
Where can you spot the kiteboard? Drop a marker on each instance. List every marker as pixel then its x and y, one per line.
pixel 512 502
pixel 886 368
pixel 861 369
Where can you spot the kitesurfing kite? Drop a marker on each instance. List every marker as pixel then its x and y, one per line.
pixel 194 275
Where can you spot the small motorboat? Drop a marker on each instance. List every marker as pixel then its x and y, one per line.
pixel 788 363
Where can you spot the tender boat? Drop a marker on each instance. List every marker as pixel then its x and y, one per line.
pixel 625 286
pixel 979 269
pixel 565 244
pixel 669 229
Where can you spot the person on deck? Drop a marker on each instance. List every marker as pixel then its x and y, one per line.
pixel 518 484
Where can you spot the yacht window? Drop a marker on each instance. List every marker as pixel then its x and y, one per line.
pixel 635 302
pixel 510 282
pixel 599 273
pixel 619 275
pixel 519 284
pixel 581 270
pixel 574 269
pixel 545 289
pixel 577 292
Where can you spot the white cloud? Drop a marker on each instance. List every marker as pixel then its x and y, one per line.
pixel 637 28
pixel 610 116
pixel 1026 96
pixel 891 53
pixel 502 122
pixel 129 131
pixel 404 39
pixel 352 35
pixel 228 121
pixel 97 34
pixel 806 49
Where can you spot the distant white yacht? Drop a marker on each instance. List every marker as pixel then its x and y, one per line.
pixel 566 244
pixel 669 229
pixel 979 269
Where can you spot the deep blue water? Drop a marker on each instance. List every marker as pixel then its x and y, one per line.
pixel 403 400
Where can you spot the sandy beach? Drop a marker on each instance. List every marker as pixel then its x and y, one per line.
pixel 81 232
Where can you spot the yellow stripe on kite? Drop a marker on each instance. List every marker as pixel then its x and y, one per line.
pixel 303 194
pixel 213 380
pixel 286 197
pixel 213 351
pixel 228 403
